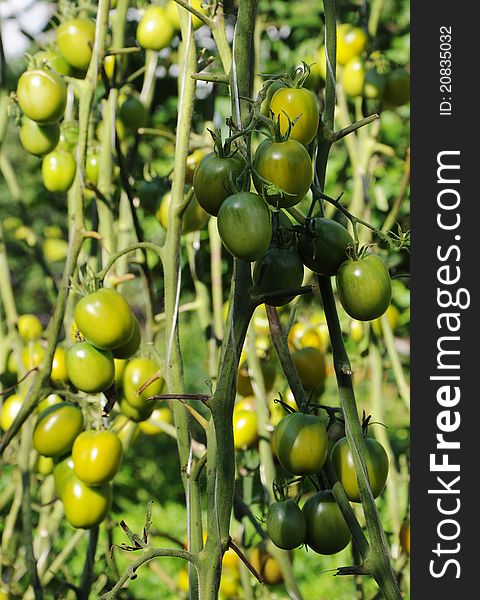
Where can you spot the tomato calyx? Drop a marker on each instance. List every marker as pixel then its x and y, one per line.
pixel 302 73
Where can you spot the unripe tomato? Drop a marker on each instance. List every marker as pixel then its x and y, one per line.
pixel 213 179
pixel 296 102
pixel 193 160
pixel 120 365
pixel 137 372
pixel 364 287
pixel 245 226
pixel 323 246
pixel 109 66
pixel 133 344
pixel 32 355
pixel 286 525
pixel 377 467
pixel 194 217
pixel 152 426
pixel 405 536
pixel 44 465
pixel 56 429
pixel 248 403
pixel 272 88
pixel 58 373
pixel 172 12
pixel 90 369
pixel 374 85
pixel 136 414
pixel 397 91
pixel 353 77
pixel 75 40
pixel 310 365
pixel 327 530
pixel 29 327
pixel 126 429
pixel 10 409
pixel 132 114
pixel 392 315
pixel 50 400
pixel 42 96
pixel 85 506
pixel 105 319
pixel 244 429
pixel 351 41
pixel 52 59
pixel 92 169
pixel 244 384
pixel 301 443
pixel 55 249
pixel 288 166
pixel 279 269
pixel 266 565
pixel 62 472
pixel 321 61
pixel 38 139
pixel 230 560
pixel 97 456
pixel 154 31
pixel 58 171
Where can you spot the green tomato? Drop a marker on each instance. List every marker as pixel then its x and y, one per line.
pixel 135 414
pixel 301 443
pixel 58 374
pixel 272 88
pixel 53 60
pixel 56 429
pixel 323 246
pixel 10 409
pixel 105 319
pixel 90 369
pixel 38 139
pixel 133 344
pixel 213 178
pixel 132 114
pixel 97 456
pixel 397 91
pixel 137 372
pixel 364 287
pixel 62 472
pixel 42 96
pixel 353 77
pixel 299 104
pixel 86 506
pixel 377 467
pixel 245 226
pixel 154 31
pixel 286 165
pixel 310 365
pixel 374 84
pixel 279 269
pixel 75 40
pixel 58 171
pixel 286 525
pixel 29 327
pixel 92 169
pixel 327 530
pixel 194 217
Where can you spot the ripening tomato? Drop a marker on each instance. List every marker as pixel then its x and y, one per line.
pixel 301 443
pixel 193 160
pixel 154 31
pixel 286 165
pixel 44 465
pixel 29 327
pixel 351 41
pixel 86 506
pixel 97 456
pixel 272 88
pixel 327 530
pixel 58 171
pixel 75 40
pixel 92 168
pixel 53 60
pixel 56 429
pixel 323 245
pixel 213 179
pixel 105 319
pixel 120 364
pixel 300 104
pixel 392 315
pixel 55 249
pixel 405 537
pixel 38 139
pixel 353 77
pixel 229 585
pixel 134 413
pixel 50 400
pixel 126 429
pixel 245 226
pixel 310 365
pixel 364 287
pixel 193 218
pixel 266 565
pixel 133 344
pixel 42 96
pixel 356 331
pixel 286 524
pixel 397 91
pixel 62 472
pixel 244 429
pixel 132 114
pixel 90 369
pixel 377 467
pixel 244 384
pixel 58 374
pixel 279 269
pixel 153 425
pixel 137 372
pixel 10 409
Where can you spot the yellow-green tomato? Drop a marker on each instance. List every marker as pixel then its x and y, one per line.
pixel 38 139
pixel 301 443
pixel 42 95
pixel 92 169
pixel 53 60
pixel 353 77
pixel 120 364
pixel 351 41
pixel 89 369
pixel 244 429
pixel 392 315
pixel 133 344
pixel 300 104
pixel 58 373
pixel 153 425
pixel 137 372
pixel 56 429
pixel 86 506
pixel 44 465
pixel 172 10
pixel 29 327
pixel 193 218
pixel 32 355
pixel 154 31
pixel 10 409
pixel 50 400
pixel 105 319
pixel 136 414
pixel 62 472
pixel 58 170
pixel 97 456
pixel 75 40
